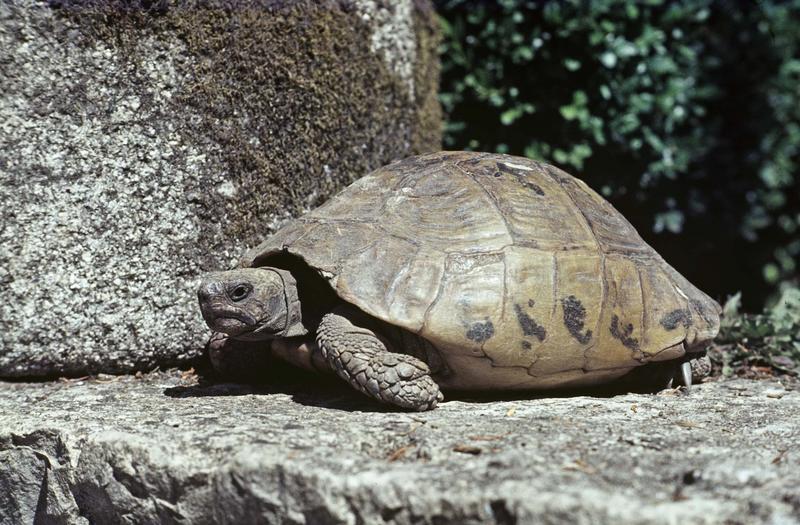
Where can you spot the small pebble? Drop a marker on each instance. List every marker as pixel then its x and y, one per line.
pixel 776 394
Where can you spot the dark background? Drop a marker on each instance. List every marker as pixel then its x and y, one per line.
pixel 683 114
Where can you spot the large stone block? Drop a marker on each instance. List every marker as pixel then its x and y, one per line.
pixel 142 143
pixel 159 449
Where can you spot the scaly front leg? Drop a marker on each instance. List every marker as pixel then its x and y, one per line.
pixel 362 359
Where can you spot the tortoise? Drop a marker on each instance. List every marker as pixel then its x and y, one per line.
pixel 465 271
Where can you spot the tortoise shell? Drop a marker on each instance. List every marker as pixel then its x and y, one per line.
pixel 518 273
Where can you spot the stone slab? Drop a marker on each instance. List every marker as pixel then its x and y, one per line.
pixel 163 449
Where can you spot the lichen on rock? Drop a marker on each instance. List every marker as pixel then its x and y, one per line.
pixel 393 36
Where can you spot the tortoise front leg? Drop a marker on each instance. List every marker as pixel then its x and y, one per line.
pixel 231 358
pixel 362 359
pixel 302 352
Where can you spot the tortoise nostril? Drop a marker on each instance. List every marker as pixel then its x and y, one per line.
pixel 207 291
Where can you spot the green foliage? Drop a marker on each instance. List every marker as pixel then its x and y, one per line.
pixel 684 114
pixel 771 339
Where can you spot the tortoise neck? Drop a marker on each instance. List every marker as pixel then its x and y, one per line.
pixel 294 313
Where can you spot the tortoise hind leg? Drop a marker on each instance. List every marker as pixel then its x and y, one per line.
pixel 694 370
pixel 362 359
pixel 654 377
pixel 701 367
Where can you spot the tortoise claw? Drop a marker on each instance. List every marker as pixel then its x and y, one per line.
pixel 686 373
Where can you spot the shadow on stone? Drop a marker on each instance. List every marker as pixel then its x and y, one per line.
pixel 209 389
pixel 327 391
pixel 330 393
pixel 311 391
pixel 649 379
pixel 343 399
pixel 523 395
pixel 305 388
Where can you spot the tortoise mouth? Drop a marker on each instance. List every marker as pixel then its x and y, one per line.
pixel 231 326
pixel 227 319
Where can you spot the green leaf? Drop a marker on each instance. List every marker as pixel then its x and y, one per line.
pixel 447 29
pixel 731 308
pixel 508 116
pixel 569 112
pixel 608 59
pixel 771 273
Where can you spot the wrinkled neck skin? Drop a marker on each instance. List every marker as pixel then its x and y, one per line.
pixel 294 321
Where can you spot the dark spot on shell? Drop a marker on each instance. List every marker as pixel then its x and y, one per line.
pixel 531 302
pixel 414 163
pixel 526 345
pixel 557 176
pixel 522 178
pixel 702 310
pixel 476 159
pixel 681 316
pixel 533 187
pixel 529 324
pixel 623 333
pixel 480 331
pixel 574 319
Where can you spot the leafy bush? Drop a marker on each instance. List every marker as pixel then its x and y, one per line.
pixel 684 114
pixel 757 344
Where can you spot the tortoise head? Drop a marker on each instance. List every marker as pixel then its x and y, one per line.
pixel 251 303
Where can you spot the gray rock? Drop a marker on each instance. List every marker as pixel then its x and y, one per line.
pixel 161 449
pixel 140 148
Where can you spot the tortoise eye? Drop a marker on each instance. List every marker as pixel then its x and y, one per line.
pixel 240 292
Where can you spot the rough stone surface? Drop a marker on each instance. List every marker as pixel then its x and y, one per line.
pixel 161 449
pixel 141 147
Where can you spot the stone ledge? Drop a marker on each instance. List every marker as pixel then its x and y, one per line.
pixel 159 449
